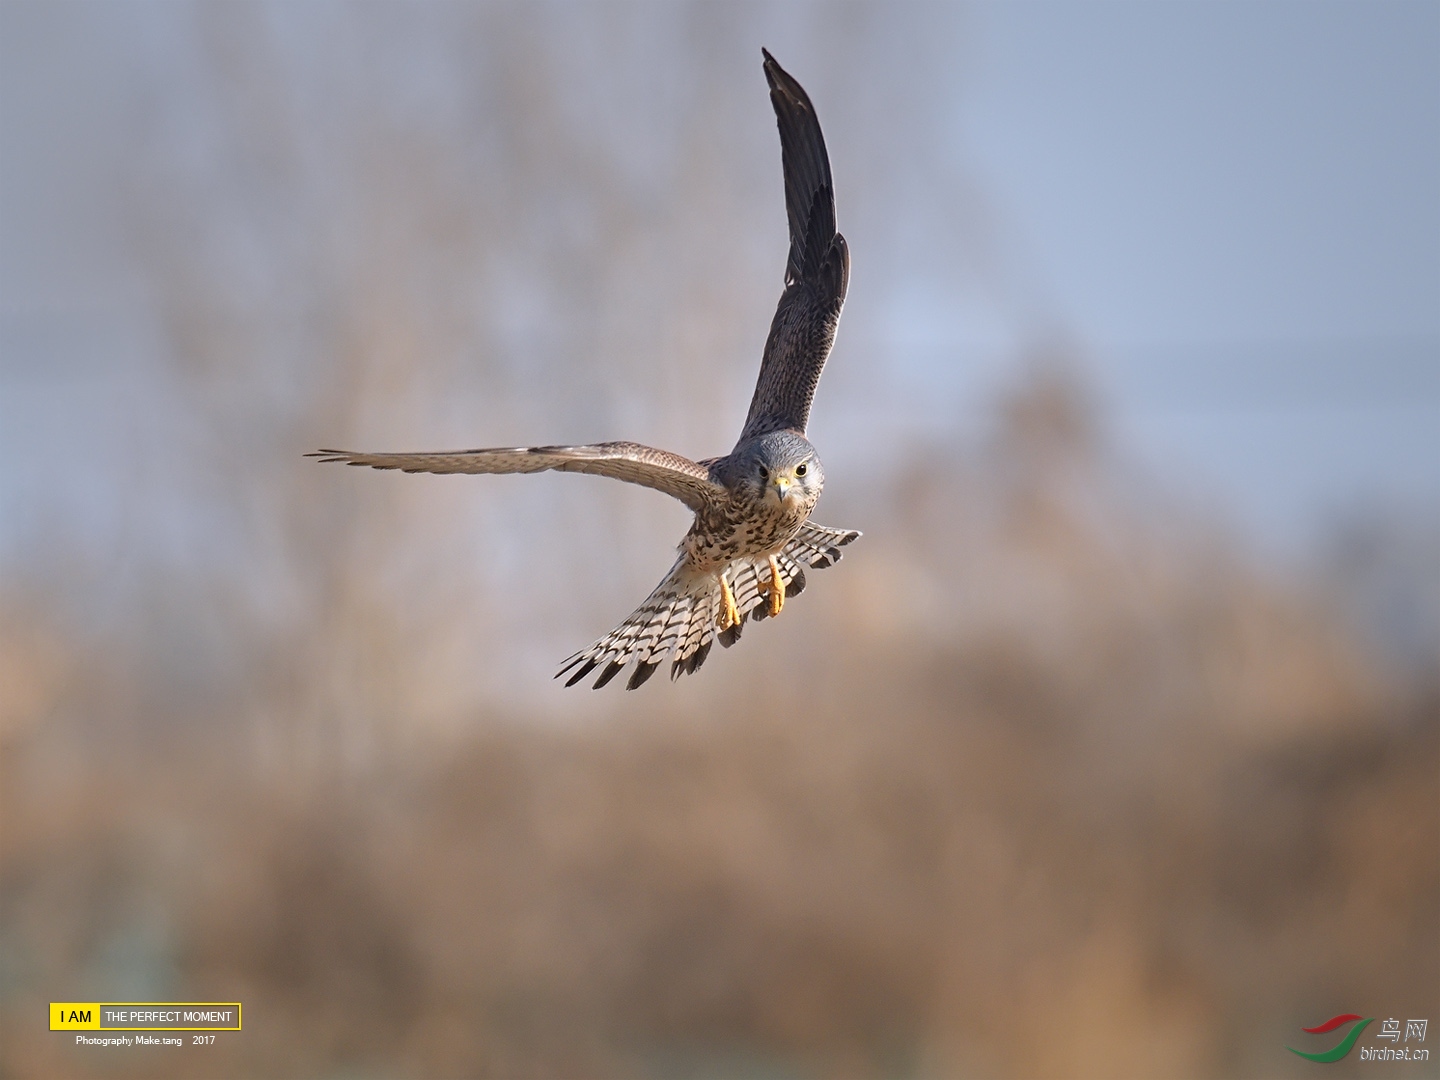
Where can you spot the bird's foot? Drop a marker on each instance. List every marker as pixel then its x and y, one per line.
pixel 729 615
pixel 775 588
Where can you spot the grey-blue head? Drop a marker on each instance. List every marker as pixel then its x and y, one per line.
pixel 780 465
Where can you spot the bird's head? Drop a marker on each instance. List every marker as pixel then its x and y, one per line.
pixel 780 466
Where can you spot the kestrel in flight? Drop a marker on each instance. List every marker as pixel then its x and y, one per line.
pixel 752 538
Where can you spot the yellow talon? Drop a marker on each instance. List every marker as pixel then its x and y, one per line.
pixel 776 589
pixel 729 616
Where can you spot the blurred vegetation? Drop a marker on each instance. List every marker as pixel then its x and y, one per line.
pixel 1044 780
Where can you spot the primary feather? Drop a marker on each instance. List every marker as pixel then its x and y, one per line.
pixel 751 506
pixel 631 462
pixel 817 271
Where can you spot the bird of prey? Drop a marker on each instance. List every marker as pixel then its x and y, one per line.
pixel 752 538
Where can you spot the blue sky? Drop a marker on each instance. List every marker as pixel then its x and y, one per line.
pixel 1235 208
pixel 1229 212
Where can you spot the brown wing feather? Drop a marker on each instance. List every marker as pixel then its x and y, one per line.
pixel 631 462
pixel 816 272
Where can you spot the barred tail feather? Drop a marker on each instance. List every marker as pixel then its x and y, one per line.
pixel 817 546
pixel 679 617
pixel 751 584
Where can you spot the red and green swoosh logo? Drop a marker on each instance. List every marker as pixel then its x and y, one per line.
pixel 1344 1046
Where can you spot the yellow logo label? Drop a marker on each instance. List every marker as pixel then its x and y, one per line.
pixel 74 1014
pixel 145 1015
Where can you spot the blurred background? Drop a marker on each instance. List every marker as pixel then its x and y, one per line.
pixel 1113 749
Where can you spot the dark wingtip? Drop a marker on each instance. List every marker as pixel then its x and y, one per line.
pixel 832 554
pixel 700 654
pixel 616 666
pixel 589 667
pixel 568 663
pixel 782 80
pixel 690 664
pixel 642 672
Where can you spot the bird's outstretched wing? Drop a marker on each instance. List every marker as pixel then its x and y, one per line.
pixel 635 464
pixel 816 273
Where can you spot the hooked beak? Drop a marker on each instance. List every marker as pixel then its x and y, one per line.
pixel 782 487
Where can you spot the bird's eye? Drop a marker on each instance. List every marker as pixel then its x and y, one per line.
pixel 764 473
pixel 801 469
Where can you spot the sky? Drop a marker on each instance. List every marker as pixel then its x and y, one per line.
pixel 1227 212
pixel 1236 209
